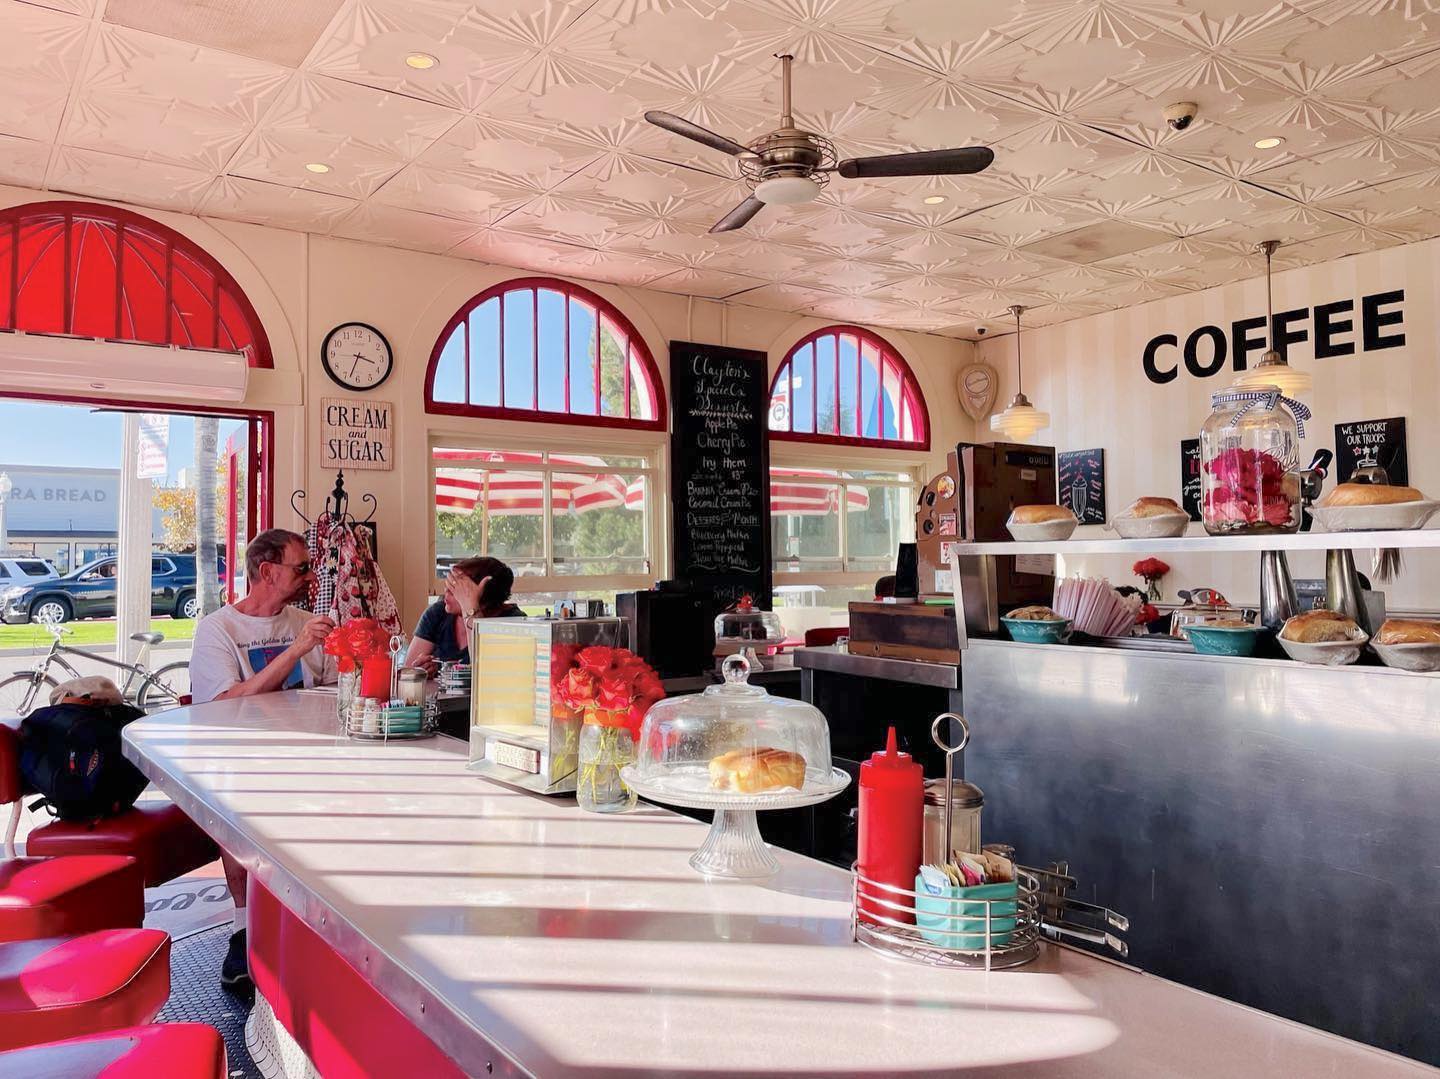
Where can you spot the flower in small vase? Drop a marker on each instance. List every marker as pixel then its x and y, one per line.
pixel 1151 570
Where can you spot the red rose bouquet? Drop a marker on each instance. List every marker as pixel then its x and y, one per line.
pixel 1150 570
pixel 356 641
pixel 611 689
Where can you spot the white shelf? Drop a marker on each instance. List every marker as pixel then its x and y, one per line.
pixel 1298 541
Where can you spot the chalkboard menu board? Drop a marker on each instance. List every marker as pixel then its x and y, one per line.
pixel 1380 442
pixel 1082 484
pixel 720 470
pixel 1190 476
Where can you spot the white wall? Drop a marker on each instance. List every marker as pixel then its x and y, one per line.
pixel 1088 375
pixel 302 286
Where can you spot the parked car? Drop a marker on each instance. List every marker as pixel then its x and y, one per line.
pixel 15 571
pixel 89 592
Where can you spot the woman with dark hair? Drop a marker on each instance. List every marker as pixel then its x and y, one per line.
pixel 475 588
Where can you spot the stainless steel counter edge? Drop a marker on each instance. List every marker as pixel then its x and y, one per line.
pixel 1197 657
pixel 422 1005
pixel 841 661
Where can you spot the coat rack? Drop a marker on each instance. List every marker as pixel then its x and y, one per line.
pixel 337 503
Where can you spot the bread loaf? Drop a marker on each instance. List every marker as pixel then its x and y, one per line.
pixel 1035 515
pixel 1319 627
pixel 1408 631
pixel 761 769
pixel 1370 494
pixel 1154 507
pixel 1035 614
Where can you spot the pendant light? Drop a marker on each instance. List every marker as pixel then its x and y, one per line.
pixel 1022 419
pixel 1272 370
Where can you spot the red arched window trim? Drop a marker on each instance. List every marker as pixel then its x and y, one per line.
pixel 909 394
pixel 88 270
pixel 606 315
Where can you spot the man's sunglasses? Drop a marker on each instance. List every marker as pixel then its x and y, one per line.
pixel 300 568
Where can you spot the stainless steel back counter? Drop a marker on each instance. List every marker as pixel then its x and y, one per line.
pixel 1270 828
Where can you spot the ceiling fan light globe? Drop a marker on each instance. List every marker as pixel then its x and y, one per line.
pixel 787 190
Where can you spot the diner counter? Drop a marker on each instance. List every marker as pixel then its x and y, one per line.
pixel 525 936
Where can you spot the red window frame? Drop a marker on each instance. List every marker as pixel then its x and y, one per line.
pixel 605 312
pixel 87 270
pixel 889 360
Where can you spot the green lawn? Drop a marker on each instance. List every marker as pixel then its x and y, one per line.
pixel 91 632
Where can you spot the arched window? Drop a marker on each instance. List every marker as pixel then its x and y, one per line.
pixel 97 271
pixel 542 349
pixel 845 385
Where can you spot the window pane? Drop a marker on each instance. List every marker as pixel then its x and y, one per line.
pixel 869 391
pixel 642 394
pixel 877 520
pixel 598 523
pixel 803 389
pixel 552 351
pixel 890 402
pixel 450 368
pixel 804 520
pixel 825 415
pixel 584 344
pixel 849 375
pixel 780 400
pixel 485 354
pixel 518 348
pixel 489 511
pixel 612 370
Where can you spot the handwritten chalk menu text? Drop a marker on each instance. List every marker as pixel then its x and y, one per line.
pixel 1372 442
pixel 1082 484
pixel 720 470
pixel 357 433
pixel 1190 476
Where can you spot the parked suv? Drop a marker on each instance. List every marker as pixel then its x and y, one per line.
pixel 89 592
pixel 15 571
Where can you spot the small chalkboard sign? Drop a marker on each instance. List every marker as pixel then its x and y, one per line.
pixel 1082 484
pixel 720 470
pixel 1190 476
pixel 1379 442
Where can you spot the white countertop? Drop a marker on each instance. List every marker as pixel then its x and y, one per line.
pixel 579 944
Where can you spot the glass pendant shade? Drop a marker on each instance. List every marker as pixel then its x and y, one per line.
pixel 1020 421
pixel 1272 370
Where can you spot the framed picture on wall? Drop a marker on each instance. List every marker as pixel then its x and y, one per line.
pixel 1081 479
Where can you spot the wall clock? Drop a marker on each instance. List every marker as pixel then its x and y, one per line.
pixel 357 356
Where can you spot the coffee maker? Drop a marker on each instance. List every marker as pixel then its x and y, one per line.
pixel 969 503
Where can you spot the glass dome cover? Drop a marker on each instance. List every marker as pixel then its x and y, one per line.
pixel 733 739
pixel 748 623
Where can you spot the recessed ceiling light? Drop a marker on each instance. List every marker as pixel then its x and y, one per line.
pixel 933 200
pixel 1268 143
pixel 317 166
pixel 421 61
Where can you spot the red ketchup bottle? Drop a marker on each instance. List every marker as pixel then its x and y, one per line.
pixel 892 816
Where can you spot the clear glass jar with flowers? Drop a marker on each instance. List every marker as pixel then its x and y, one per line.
pixel 611 689
pixel 352 644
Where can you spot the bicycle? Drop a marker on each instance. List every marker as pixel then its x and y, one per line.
pixel 145 688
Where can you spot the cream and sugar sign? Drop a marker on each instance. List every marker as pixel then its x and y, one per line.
pixel 357 434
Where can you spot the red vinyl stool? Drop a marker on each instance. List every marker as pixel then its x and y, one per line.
pixel 64 897
pixel 168 1051
pixel 61 987
pixel 165 842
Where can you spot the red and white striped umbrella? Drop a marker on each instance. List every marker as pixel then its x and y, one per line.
pixel 800 492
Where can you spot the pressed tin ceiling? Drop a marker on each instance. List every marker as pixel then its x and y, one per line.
pixel 524 142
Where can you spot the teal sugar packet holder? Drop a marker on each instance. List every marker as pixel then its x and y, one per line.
pixel 954 917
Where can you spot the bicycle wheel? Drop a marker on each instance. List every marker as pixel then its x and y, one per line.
pixel 165 687
pixel 22 693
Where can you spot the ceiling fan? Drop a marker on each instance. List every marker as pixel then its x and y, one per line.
pixel 789 166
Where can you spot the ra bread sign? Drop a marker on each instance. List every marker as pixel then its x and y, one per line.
pixel 357 433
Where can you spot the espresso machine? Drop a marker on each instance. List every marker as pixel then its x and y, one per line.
pixel 970 502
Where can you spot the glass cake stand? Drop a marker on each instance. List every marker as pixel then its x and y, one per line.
pixel 733 847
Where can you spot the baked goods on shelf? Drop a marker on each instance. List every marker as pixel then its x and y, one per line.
pixel 1153 507
pixel 1408 631
pixel 1370 494
pixel 749 771
pixel 1034 515
pixel 1034 613
pixel 1320 627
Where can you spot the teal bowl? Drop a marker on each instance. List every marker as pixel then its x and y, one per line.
pixel 954 917
pixel 1223 640
pixel 1028 631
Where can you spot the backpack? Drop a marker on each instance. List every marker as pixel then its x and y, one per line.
pixel 70 755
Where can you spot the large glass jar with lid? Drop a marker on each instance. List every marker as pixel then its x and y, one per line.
pixel 734 749
pixel 746 626
pixel 1249 457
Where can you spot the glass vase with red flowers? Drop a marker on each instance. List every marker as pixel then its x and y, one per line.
pixel 1151 570
pixel 354 644
pixel 611 689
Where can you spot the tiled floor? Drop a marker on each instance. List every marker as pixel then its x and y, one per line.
pixel 196 996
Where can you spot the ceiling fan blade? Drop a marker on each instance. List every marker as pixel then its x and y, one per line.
pixel 680 126
pixel 739 216
pixel 924 163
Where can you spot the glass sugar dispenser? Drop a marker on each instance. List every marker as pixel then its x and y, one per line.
pixel 1250 461
pixel 734 749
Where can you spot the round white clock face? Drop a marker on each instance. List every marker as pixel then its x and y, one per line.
pixel 357 356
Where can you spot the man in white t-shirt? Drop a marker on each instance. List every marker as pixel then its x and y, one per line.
pixel 259 644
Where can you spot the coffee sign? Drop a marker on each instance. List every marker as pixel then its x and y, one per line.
pixel 357 433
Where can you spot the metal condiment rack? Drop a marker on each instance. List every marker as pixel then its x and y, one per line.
pixel 354 725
